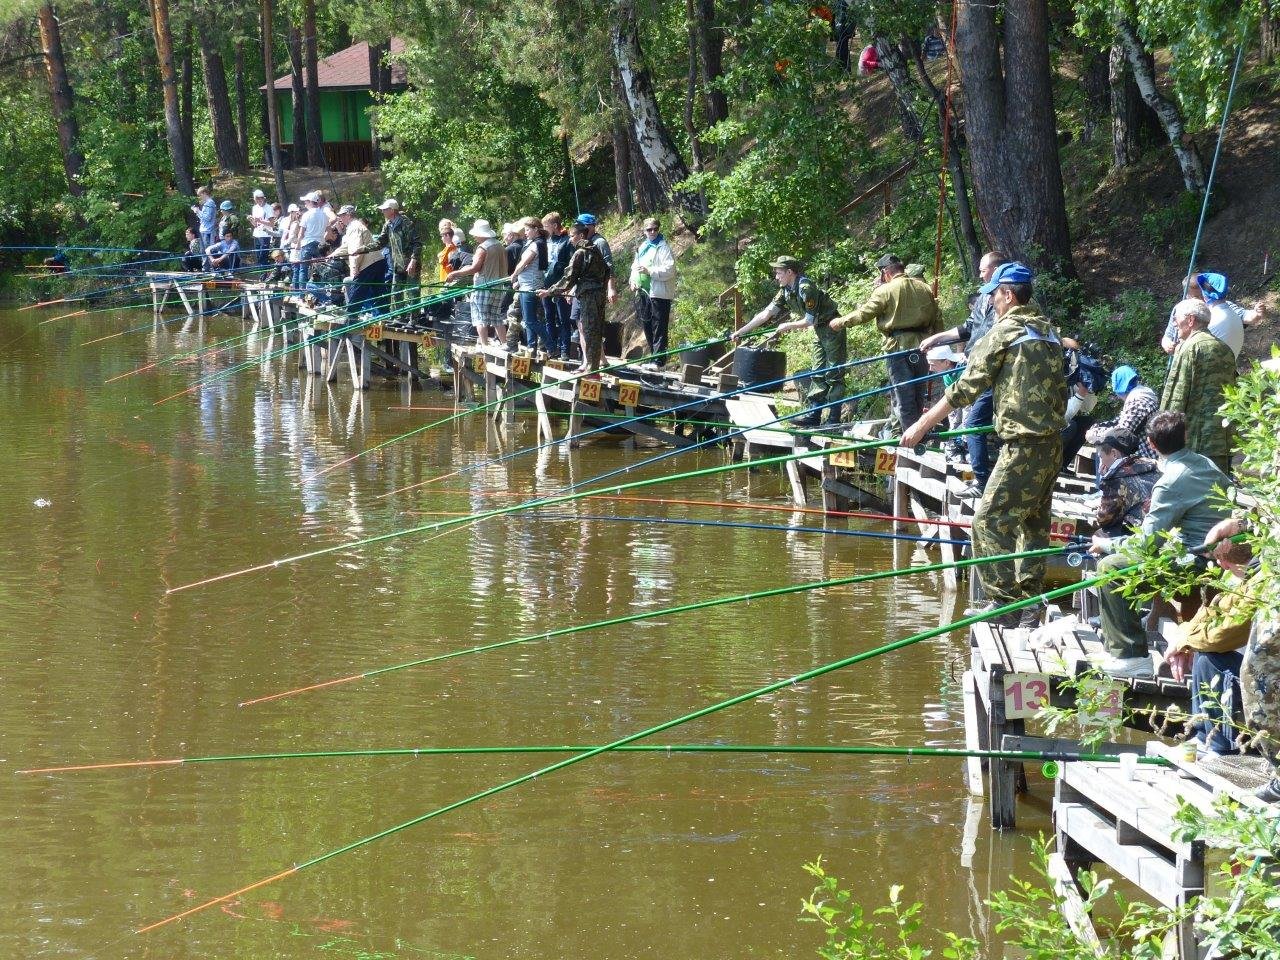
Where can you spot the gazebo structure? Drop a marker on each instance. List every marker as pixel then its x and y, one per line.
pixel 345 98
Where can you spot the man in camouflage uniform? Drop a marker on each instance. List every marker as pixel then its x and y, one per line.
pixel 1020 360
pixel 1125 484
pixel 589 275
pixel 1202 366
pixel 905 312
pixel 797 294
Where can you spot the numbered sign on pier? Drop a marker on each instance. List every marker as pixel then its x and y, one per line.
pixel 628 394
pixel 589 391
pixel 1025 694
pixel 477 363
pixel 428 341
pixel 886 462
pixel 373 332
pixel 1062 527
pixel 520 366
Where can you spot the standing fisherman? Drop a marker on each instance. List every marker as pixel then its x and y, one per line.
pixel 798 294
pixel 906 313
pixel 399 236
pixel 1020 361
pixel 590 277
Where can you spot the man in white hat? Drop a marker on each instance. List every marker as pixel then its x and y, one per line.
pixel 942 359
pixel 314 225
pixel 365 271
pixel 487 269
pixel 399 238
pixel 262 220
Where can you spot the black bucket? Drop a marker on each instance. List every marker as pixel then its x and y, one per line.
pixel 613 339
pixel 699 356
pixel 753 367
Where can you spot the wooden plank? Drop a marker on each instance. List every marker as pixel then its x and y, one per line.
pixel 1071 905
pixel 1147 812
pixel 972 733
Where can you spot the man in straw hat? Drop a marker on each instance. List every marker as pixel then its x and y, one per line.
pixel 488 265
pixel 797 294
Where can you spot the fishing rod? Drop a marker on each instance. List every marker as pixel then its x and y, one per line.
pixel 563 413
pixel 644 734
pixel 561 498
pixel 11 246
pixel 494 403
pixel 1058 756
pixel 366 321
pixel 664 612
pixel 658 413
pixel 120 266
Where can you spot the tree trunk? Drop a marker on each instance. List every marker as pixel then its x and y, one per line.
pixel 647 129
pixel 645 188
pixel 1010 130
pixel 119 20
pixel 63 98
pixel 169 85
pixel 1144 73
pixel 1126 111
pixel 1093 82
pixel 315 140
pixel 299 98
pixel 242 104
pixel 621 148
pixel 691 86
pixel 186 109
pixel 226 142
pixel 710 51
pixel 380 81
pixel 273 120
pixel 904 87
pixel 1269 32
pixel 969 245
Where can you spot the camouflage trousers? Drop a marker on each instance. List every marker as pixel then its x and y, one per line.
pixel 830 349
pixel 1014 515
pixel 1260 685
pixel 591 308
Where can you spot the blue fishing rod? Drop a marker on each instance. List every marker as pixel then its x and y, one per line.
pixel 654 414
pixel 12 246
pixel 105 269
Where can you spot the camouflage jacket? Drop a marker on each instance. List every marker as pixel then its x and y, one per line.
pixel 1260 683
pixel 807 300
pixel 1126 495
pixel 903 309
pixel 1021 360
pixel 1202 366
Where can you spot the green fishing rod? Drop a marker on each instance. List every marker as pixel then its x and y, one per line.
pixel 494 403
pixel 564 414
pixel 445 525
pixel 645 734
pixel 701 401
pixel 352 327
pixel 664 612
pixel 1058 756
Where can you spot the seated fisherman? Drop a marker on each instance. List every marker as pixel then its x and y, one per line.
pixel 1181 499
pixel 1125 483
pixel 1210 649
pixel 225 254
pixel 193 259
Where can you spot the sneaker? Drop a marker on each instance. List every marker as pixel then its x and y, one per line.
pixel 1271 792
pixel 1128 668
pixel 972 491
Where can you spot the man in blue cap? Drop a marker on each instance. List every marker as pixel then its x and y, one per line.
pixel 1020 361
pixel 1140 404
pixel 1227 320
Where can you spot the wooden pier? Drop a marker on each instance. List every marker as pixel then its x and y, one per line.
pixel 190 289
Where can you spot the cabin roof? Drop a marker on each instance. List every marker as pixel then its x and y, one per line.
pixel 349 70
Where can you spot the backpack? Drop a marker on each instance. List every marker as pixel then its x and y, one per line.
pixel 1085 366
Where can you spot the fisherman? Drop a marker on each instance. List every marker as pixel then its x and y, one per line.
pixel 262 218
pixel 1020 361
pixel 229 220
pixel 1124 482
pixel 193 259
pixel 1140 404
pixel 905 312
pixel 982 317
pixel 364 270
pixel 206 212
pixel 225 254
pixel 1202 367
pixel 589 276
pixel 399 237
pixel 797 294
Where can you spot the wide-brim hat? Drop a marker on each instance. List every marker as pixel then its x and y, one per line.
pixel 481 230
pixel 787 263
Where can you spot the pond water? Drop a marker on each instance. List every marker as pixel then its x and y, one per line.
pixel 109 497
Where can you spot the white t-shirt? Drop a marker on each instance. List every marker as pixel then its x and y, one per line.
pixel 1227 324
pixel 263 212
pixel 314 225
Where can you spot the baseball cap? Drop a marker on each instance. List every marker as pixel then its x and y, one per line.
pixel 226 205
pixel 345 209
pixel 1122 441
pixel 587 219
pixel 787 263
pixel 1122 380
pixel 293 208
pixel 1008 273
pixel 259 193
pixel 391 203
pixel 888 260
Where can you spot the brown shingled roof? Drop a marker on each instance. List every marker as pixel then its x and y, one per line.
pixel 349 69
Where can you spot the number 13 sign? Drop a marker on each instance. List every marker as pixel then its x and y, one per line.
pixel 1024 694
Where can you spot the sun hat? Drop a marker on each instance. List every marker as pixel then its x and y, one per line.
pixel 259 193
pixel 1212 285
pixel 1123 379
pixel 345 209
pixel 481 230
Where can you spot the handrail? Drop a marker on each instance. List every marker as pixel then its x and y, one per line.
pixel 737 303
pixel 879 186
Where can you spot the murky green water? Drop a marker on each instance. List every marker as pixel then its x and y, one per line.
pixel 639 856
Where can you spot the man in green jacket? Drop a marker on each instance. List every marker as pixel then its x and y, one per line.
pixel 905 312
pixel 797 294
pixel 1020 360
pixel 1202 366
